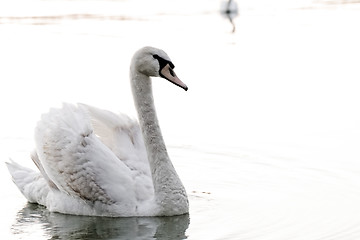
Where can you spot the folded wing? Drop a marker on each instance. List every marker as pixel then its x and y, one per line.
pixel 82 164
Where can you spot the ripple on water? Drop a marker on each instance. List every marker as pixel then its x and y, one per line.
pixel 250 195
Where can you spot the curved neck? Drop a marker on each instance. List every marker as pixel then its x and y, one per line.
pixel 144 103
pixel 167 185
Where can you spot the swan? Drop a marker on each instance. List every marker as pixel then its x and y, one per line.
pixel 97 163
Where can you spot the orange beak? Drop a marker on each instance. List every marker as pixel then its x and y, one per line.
pixel 168 73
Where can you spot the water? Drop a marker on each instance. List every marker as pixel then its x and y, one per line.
pixel 265 140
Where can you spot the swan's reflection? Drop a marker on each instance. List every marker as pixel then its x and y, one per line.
pixel 61 226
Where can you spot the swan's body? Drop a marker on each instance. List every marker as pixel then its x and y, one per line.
pixel 94 162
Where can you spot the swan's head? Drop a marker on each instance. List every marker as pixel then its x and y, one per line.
pixel 155 62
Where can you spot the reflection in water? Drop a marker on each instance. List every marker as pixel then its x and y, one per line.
pixel 61 226
pixel 229 10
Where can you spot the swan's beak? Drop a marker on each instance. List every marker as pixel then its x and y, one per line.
pixel 168 73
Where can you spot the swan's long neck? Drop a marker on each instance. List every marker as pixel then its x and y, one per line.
pixel 169 191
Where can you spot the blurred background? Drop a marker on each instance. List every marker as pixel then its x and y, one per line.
pixel 266 139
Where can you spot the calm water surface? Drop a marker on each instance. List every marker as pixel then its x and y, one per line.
pixel 266 139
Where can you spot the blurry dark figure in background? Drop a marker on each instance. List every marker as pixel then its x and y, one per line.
pixel 229 10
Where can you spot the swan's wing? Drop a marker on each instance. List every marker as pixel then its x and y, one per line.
pixel 78 163
pixel 119 133
pixel 123 136
pixel 30 183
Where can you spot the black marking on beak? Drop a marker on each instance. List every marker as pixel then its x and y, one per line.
pixel 163 62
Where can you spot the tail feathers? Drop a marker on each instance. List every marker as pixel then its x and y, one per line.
pixel 31 184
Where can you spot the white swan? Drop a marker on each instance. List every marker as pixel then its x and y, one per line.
pixel 94 162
